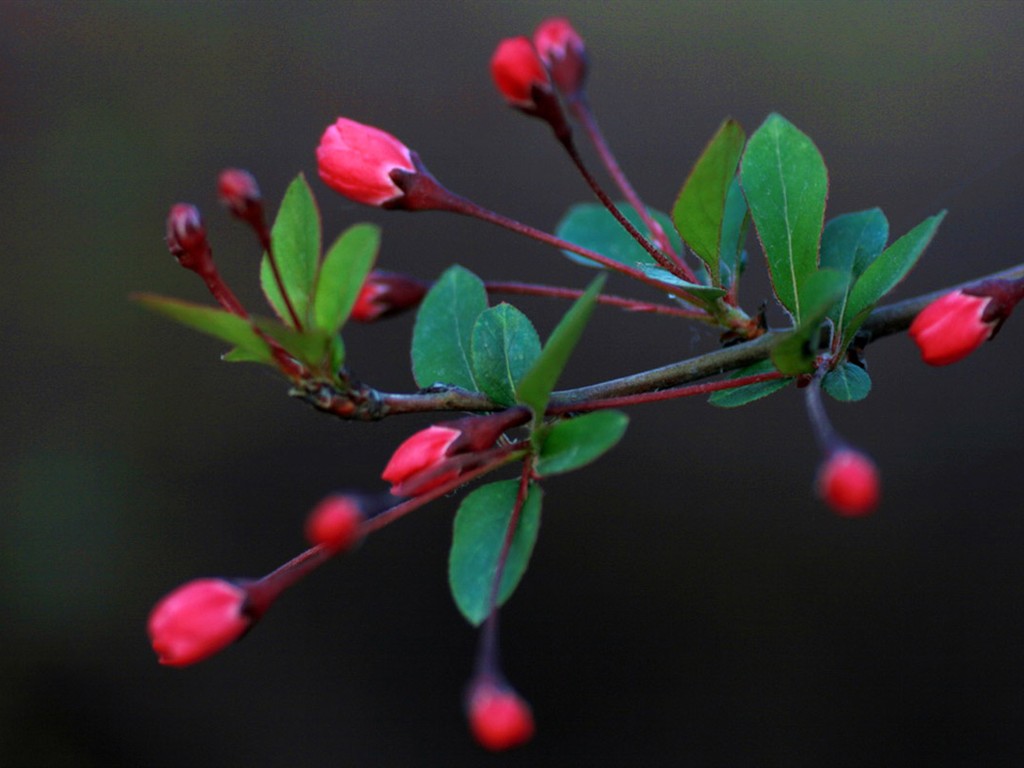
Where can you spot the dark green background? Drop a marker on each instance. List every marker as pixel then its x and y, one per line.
pixel 689 602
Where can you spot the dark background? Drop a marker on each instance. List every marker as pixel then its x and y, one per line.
pixel 690 602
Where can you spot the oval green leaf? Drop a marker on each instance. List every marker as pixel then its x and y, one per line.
pixel 342 275
pixel 848 383
pixel 574 443
pixel 591 226
pixel 505 346
pixel 734 398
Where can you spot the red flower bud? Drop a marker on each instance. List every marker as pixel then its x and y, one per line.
pixel 561 49
pixel 499 718
pixel 516 70
pixel 848 482
pixel 952 327
pixel 357 160
pixel 335 522
pixel 385 294
pixel 239 192
pixel 197 620
pixel 186 237
pixel 422 452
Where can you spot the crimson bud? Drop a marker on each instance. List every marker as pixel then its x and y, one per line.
pixel 952 327
pixel 424 451
pixel 848 482
pixel 186 237
pixel 517 70
pixel 197 620
pixel 498 717
pixel 385 294
pixel 239 192
pixel 561 49
pixel 357 160
pixel 335 522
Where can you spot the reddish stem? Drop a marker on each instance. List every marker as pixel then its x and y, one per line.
pixel 632 305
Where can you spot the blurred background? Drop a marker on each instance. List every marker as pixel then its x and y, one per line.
pixel 689 602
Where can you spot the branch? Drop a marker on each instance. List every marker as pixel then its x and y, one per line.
pixel 364 403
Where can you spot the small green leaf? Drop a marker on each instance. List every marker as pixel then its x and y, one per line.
pixel 443 335
pixel 295 237
pixel 504 347
pixel 699 211
pixel 796 352
pixel 574 443
pixel 215 322
pixel 849 244
pixel 311 346
pixel 735 222
pixel 848 383
pixel 480 527
pixel 342 275
pixel 785 181
pixel 882 275
pixel 705 293
pixel 535 387
pixel 734 398
pixel 591 226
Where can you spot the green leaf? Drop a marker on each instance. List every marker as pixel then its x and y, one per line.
pixel 215 322
pixel 706 293
pixel 574 443
pixel 342 275
pixel 504 347
pixel 443 335
pixel 535 387
pixel 735 222
pixel 796 352
pixel 883 274
pixel 590 225
pixel 295 238
pixel 785 181
pixel 734 398
pixel 311 346
pixel 699 211
pixel 848 383
pixel 480 527
pixel 849 244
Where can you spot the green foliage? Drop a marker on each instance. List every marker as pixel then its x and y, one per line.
pixel 797 351
pixel 536 386
pixel 574 443
pixel 295 238
pixel 342 275
pixel 735 223
pixel 848 383
pixel 442 339
pixel 215 322
pixel 848 245
pixel 504 347
pixel 591 226
pixel 785 182
pixel 734 398
pixel 706 294
pixel 700 209
pixel 479 533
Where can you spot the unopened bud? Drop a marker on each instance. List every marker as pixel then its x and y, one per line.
pixel 498 717
pixel 197 620
pixel 848 482
pixel 357 160
pixel 385 294
pixel 561 49
pixel 239 192
pixel 335 522
pixel 186 237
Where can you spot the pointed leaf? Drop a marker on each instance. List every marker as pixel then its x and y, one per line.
pixel 535 387
pixel 590 225
pixel 215 322
pixel 848 383
pixel 734 398
pixel 574 443
pixel 705 293
pixel 735 222
pixel 785 181
pixel 849 244
pixel 796 352
pixel 442 338
pixel 699 211
pixel 295 237
pixel 504 347
pixel 480 527
pixel 891 266
pixel 342 275
pixel 311 346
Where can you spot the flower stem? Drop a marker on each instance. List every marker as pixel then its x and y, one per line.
pixel 631 305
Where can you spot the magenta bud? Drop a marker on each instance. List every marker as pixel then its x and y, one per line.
pixel 197 620
pixel 186 237
pixel 385 294
pixel 952 327
pixel 562 51
pixel 357 160
pixel 517 71
pixel 335 523
pixel 498 717
pixel 848 482
pixel 239 192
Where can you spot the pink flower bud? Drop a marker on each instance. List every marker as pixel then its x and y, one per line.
pixel 197 620
pixel 239 192
pixel 499 718
pixel 385 294
pixel 335 522
pixel 357 160
pixel 186 237
pixel 848 482
pixel 422 452
pixel 561 49
pixel 952 327
pixel 516 70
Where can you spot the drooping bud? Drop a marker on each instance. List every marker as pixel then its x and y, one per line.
pixel 848 482
pixel 240 194
pixel 385 294
pixel 335 522
pixel 357 160
pixel 498 717
pixel 186 238
pixel 441 452
pixel 953 326
pixel 562 51
pixel 197 620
